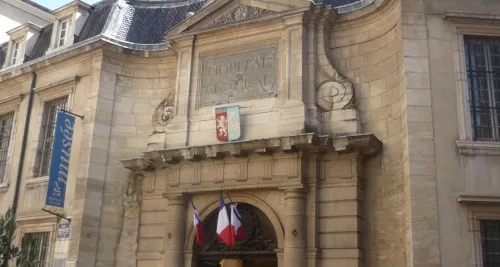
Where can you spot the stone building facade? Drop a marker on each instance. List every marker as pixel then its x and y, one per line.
pixel 369 133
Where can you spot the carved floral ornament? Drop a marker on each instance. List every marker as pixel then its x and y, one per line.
pixel 239 13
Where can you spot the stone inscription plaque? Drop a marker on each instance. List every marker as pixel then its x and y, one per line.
pixel 240 76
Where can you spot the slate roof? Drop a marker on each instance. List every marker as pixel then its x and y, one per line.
pixel 42 43
pixel 137 24
pixel 149 25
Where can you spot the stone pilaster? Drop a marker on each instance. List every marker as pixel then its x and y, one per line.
pixel 175 232
pixel 295 228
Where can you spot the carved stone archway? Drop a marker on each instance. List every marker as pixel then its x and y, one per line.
pixel 258 248
pixel 240 198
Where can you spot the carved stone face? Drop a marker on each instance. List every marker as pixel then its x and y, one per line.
pixel 330 93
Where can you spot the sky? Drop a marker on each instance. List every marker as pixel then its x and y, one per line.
pixel 53 4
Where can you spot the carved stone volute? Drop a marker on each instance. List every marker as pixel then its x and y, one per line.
pixel 163 114
pixel 334 90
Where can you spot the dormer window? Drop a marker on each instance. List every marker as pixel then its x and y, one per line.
pixel 68 23
pixel 22 40
pixel 63 32
pixel 16 52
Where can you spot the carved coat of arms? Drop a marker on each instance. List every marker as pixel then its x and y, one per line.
pixel 227 123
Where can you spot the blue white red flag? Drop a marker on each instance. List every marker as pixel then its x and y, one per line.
pixel 198 226
pixel 238 232
pixel 224 229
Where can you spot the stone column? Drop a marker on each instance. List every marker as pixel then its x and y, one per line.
pixel 295 228
pixel 175 232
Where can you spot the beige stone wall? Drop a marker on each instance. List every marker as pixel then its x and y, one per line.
pixel 369 51
pixel 137 84
pixel 455 173
pixel 53 81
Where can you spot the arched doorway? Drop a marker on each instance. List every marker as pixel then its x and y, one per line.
pixel 257 249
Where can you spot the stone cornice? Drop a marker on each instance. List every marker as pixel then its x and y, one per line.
pixel 478 199
pixel 52 58
pixel 365 144
pixel 473 148
pixel 463 16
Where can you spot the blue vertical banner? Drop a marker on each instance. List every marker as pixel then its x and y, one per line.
pixel 59 162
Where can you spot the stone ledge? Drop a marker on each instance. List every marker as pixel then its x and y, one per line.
pixel 473 148
pixel 478 199
pixel 36 182
pixel 366 144
pixel 463 16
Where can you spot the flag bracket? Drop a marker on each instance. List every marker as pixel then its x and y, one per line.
pixel 71 113
pixel 58 215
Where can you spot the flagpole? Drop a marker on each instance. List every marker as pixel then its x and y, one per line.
pixel 228 196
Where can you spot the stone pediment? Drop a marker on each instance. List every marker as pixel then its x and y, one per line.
pixel 227 12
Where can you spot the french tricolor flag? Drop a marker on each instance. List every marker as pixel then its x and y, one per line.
pixel 238 232
pixel 197 225
pixel 224 229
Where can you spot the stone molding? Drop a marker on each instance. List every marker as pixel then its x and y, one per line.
pixel 366 144
pixel 478 199
pixel 462 16
pixel 473 148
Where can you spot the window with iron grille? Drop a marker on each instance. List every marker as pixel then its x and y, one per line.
pixel 46 139
pixel 37 250
pixel 490 242
pixel 483 76
pixel 5 132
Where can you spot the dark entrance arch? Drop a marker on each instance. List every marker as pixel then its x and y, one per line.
pixel 257 249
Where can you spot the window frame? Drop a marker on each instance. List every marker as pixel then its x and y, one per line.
pixel 16 50
pixel 46 240
pixel 4 172
pixel 47 93
pixel 10 105
pixel 483 237
pixel 462 25
pixel 475 105
pixel 476 211
pixel 38 168
pixel 63 22
pixel 47 225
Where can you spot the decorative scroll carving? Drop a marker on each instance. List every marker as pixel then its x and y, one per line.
pixel 259 235
pixel 336 91
pixel 337 94
pixel 239 13
pixel 163 114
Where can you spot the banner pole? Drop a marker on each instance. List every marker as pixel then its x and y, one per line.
pixel 58 215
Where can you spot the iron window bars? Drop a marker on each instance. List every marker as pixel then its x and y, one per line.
pixel 6 121
pixel 46 139
pixel 490 242
pixel 36 256
pixel 483 76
